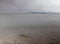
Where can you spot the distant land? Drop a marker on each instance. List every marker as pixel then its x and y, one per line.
pixel 43 12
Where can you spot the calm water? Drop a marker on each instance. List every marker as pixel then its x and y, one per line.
pixel 11 25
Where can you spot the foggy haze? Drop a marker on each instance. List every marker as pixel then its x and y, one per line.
pixel 30 5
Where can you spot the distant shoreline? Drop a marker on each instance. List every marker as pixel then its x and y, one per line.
pixel 43 13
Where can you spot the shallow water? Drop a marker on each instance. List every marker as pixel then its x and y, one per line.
pixel 34 25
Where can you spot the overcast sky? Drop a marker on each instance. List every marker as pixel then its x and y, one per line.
pixel 30 5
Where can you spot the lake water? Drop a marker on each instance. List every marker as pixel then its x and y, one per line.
pixel 11 25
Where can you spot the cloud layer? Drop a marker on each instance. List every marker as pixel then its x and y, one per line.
pixel 30 5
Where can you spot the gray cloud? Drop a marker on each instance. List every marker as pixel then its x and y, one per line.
pixel 30 5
